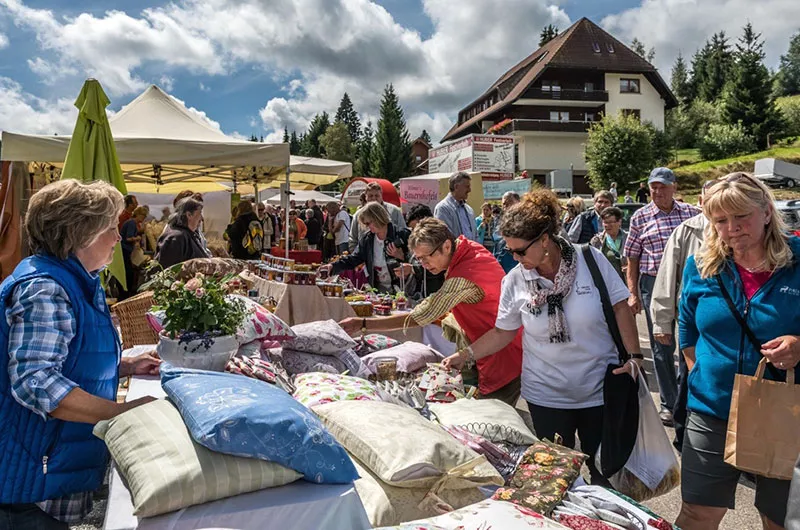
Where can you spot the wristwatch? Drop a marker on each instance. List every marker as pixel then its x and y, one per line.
pixel 637 356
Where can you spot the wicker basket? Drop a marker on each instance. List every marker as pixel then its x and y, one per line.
pixel 132 322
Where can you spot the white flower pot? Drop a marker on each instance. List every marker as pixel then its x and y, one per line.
pixel 194 354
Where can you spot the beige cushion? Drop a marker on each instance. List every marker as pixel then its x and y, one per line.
pixel 166 470
pixel 404 449
pixel 389 505
pixel 485 417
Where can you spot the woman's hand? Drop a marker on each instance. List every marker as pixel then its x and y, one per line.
pixel 144 364
pixel 783 352
pixel 351 325
pixel 628 368
pixel 455 361
pixel 395 252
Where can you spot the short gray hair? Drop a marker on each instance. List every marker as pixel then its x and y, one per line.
pixel 604 194
pixel 67 216
pixel 184 207
pixel 513 194
pixel 309 213
pixel 457 178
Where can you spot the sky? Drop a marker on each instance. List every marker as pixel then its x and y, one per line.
pixel 257 66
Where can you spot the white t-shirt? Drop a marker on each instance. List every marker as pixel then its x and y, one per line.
pixel 567 375
pixel 343 233
pixel 382 275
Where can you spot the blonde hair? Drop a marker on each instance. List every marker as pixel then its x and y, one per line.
pixel 578 206
pixel 140 210
pixel 431 232
pixel 374 212
pixel 66 216
pixel 739 193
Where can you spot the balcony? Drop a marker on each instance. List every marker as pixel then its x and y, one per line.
pixel 545 126
pixel 567 94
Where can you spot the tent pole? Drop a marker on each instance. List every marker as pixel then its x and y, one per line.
pixel 288 170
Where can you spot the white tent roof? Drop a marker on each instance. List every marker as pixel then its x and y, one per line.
pixel 159 139
pixel 301 196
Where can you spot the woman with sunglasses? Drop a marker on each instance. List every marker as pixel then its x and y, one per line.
pixel 471 291
pixel 748 256
pixel 566 344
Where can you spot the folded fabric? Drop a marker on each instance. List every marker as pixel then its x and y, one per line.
pixel 166 470
pixel 486 515
pixel 325 337
pixel 298 362
pixel 440 385
pixel 411 357
pixel 260 369
pixel 545 473
pixel 260 324
pixel 372 342
pixel 317 389
pixel 244 417
pixel 503 461
pixel 389 505
pixel 355 366
pixel 490 418
pixel 404 449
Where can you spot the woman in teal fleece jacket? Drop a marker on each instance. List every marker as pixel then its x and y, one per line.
pixel 748 254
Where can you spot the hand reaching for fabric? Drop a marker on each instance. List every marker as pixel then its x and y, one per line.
pixel 394 251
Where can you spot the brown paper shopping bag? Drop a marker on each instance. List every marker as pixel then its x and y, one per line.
pixel 764 425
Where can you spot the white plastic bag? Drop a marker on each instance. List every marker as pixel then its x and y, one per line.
pixel 652 469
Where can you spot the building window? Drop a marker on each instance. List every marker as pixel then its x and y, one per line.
pixel 559 116
pixel 636 113
pixel 589 116
pixel 551 86
pixel 588 87
pixel 629 86
pixel 419 158
pixel 610 47
pixel 596 47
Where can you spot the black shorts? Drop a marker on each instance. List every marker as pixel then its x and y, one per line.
pixel 707 480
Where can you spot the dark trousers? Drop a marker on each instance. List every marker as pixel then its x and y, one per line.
pixel 508 394
pixel 547 422
pixel 27 517
pixel 680 412
pixel 663 354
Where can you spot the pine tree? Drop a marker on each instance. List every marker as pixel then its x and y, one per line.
pixel 716 68
pixel 310 145
pixel 286 135
pixel 365 151
pixel 680 81
pixel 748 99
pixel 789 72
pixel 392 159
pixel 294 144
pixel 549 32
pixel 425 136
pixel 253 138
pixel 638 47
pixel 348 115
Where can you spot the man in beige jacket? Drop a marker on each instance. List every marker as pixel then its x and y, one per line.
pixel 684 242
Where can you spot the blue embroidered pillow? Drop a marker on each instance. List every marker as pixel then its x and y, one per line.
pixel 245 417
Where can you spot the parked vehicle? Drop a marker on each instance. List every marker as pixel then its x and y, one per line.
pixel 777 173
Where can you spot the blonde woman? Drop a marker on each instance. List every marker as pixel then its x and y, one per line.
pixel 748 256
pixel 575 206
pixel 60 361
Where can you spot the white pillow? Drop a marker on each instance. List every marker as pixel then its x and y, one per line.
pixel 325 337
pixel 490 418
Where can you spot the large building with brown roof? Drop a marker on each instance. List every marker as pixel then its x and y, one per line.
pixel 549 100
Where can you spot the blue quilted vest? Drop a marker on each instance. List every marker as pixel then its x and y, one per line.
pixel 41 460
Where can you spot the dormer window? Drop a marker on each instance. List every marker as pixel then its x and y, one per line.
pixel 596 47
pixel 610 47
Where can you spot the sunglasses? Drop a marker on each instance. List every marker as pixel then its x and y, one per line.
pixel 521 253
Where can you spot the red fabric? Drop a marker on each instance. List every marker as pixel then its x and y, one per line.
pixel 390 194
pixel 124 216
pixel 473 262
pixel 305 257
pixel 752 281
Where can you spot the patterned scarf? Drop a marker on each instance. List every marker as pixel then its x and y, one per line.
pixel 554 297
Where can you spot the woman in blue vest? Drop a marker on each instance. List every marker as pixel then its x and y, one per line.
pixel 60 364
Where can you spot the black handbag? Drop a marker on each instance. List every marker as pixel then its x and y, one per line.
pixel 620 392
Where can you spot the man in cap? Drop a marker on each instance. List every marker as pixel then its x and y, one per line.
pixel 650 229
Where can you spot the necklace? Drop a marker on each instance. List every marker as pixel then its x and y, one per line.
pixel 757 268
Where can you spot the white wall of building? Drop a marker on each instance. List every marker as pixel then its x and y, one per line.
pixel 649 102
pixel 548 152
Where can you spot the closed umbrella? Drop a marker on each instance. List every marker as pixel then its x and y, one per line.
pixel 92 155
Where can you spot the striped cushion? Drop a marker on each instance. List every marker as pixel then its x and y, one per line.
pixel 166 470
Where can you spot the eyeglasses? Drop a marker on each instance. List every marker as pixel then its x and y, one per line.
pixel 424 259
pixel 521 253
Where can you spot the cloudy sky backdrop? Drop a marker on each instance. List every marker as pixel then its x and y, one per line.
pixel 255 66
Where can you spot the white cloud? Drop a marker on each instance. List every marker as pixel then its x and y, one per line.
pixel 24 113
pixel 203 87
pixel 673 26
pixel 3 41
pixel 166 82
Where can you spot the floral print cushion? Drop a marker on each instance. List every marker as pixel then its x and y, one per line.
pixel 325 337
pixel 486 515
pixel 317 388
pixel 260 324
pixel 298 362
pixel 373 342
pixel 545 473
pixel 440 385
pixel 411 357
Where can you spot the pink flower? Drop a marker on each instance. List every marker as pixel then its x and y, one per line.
pixel 193 284
pixel 200 292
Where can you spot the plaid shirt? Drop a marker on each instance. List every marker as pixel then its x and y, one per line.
pixel 454 291
pixel 649 231
pixel 41 326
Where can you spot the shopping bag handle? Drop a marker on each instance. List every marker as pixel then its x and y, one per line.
pixel 762 366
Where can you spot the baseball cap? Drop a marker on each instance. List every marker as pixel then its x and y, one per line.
pixel 664 175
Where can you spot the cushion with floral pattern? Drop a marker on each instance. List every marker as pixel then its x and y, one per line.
pixel 372 342
pixel 487 515
pixel 314 389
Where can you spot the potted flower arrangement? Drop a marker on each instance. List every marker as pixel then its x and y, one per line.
pixel 200 322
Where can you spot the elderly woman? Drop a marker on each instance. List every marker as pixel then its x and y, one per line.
pixel 611 240
pixel 381 249
pixel 246 233
pixel 297 228
pixel 567 346
pixel 180 241
pixel 61 361
pixel 471 291
pixel 748 255
pixel 131 236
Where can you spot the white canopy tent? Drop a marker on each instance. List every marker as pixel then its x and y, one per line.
pixel 301 196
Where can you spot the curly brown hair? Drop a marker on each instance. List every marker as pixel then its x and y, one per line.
pixel 535 215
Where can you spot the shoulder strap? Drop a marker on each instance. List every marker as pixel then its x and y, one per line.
pixel 605 299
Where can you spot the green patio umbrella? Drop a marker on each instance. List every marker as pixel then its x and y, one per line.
pixel 92 154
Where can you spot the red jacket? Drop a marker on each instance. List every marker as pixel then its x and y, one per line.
pixel 473 262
